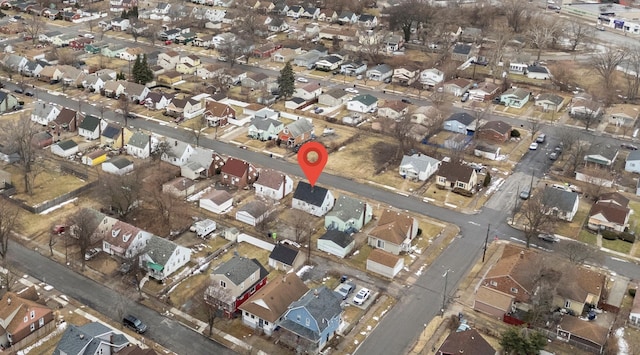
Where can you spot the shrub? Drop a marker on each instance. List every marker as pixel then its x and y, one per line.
pixel 627 237
pixel 487 180
pixel 609 235
pixel 515 133
pixel 632 292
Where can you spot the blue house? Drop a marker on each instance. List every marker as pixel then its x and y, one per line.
pixel 310 322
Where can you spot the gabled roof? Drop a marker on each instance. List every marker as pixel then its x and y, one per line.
pixel 40 109
pixel 299 127
pixel 139 140
pixel 466 342
pixel 284 254
pixel 419 162
pixel 555 99
pixel 263 124
pixel 462 117
pixel 393 227
pixel 366 99
pixel 395 105
pixel 560 199
pixel 347 208
pixel 537 69
pixel 611 211
pixel 160 249
pixel 336 93
pixel 311 195
pixel 498 126
pixel 90 123
pixel 322 305
pixel 68 144
pixel 607 151
pixel 271 301
pixel 238 269
pixel 270 178
pixel 111 131
pixel 122 234
pixel 254 208
pixel 382 68
pixel 119 162
pixel 455 171
pixel 217 196
pixel 384 257
pixel 340 238
pixel 14 307
pixel 519 93
pixel 586 330
pixel 462 48
pixel 65 116
pixel 235 167
pixel 616 197
pixel 87 339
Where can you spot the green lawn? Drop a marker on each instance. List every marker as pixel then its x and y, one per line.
pixel 617 245
pixel 635 206
pixel 587 237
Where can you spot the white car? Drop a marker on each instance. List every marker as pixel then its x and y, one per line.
pixel 351 90
pixel 533 146
pixel 303 80
pixel 89 35
pixel 362 296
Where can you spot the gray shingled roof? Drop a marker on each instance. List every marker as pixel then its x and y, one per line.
pixel 264 123
pixel 139 140
pixel 238 269
pixel 322 304
pixel 254 208
pixel 341 238
pixel 311 195
pixel 561 199
pixel 68 144
pixel 299 127
pixel 90 123
pixel 42 109
pixel 284 254
pixel 84 339
pixel 120 162
pixel 462 117
pixel 418 162
pixel 346 208
pixel 160 249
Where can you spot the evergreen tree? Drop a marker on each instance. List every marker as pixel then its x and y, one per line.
pixel 286 81
pixel 137 69
pixel 133 13
pixel 146 74
pixel 515 341
pixel 124 14
pixel 121 76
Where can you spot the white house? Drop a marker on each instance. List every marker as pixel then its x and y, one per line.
pixel 140 145
pixel 363 103
pixel 118 166
pixel 418 167
pixel 314 200
pixel 216 201
pixel 253 212
pixel 177 153
pixel 384 263
pixel 431 77
pixel 634 316
pixel 337 243
pixel 90 128
pixel 163 257
pixel 308 92
pixel 124 240
pixel 460 122
pixel 44 112
pixel 65 148
pixel 381 72
pixel 538 72
pixel 273 184
pixel 633 162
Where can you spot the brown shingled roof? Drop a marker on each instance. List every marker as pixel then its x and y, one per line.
pixel 466 342
pixel 235 167
pixel 270 178
pixel 271 301
pixel 611 211
pixel 455 171
pixel 498 126
pixel 393 227
pixel 385 258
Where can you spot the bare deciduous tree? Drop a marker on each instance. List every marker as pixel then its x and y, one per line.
pixel 9 221
pixel 219 298
pixel 578 32
pixel 536 215
pixel 631 70
pixel 82 226
pixel 120 192
pixel 518 14
pixel 579 253
pixel 299 222
pixel 542 32
pixel 605 64
pixel 33 26
pixel 17 136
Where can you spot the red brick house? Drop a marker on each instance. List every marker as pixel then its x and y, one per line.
pixel 67 120
pixel 265 51
pixel 495 131
pixel 238 173
pixel 218 114
pixel 296 132
pixel 23 320
pixel 79 43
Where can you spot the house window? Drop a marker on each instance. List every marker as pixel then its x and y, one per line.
pixel 33 314
pixel 223 284
pixel 32 327
pixel 514 290
pixel 460 184
pixel 266 323
pixel 442 179
pixel 493 283
pixel 253 317
pixel 307 322
pixel 298 318
pixel 41 322
pixel 567 304
pixel 380 244
pixel 26 319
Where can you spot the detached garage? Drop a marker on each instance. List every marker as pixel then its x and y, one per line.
pixel 94 158
pixel 118 166
pixel 384 263
pixel 337 243
pixel 65 148
pixel 492 302
pixel 253 212
pixel 217 201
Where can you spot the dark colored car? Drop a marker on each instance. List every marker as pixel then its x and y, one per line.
pixel 406 101
pixel 18 91
pixel 134 324
pixel 345 289
pixel 29 93
pixel 548 238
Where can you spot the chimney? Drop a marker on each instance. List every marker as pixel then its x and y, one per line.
pixel 81 336
pixel 315 292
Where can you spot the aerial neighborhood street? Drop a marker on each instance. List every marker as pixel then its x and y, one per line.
pixel 480 193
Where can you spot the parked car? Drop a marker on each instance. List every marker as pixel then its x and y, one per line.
pixel 18 91
pixel 351 90
pixel 496 100
pixel 406 101
pixel 554 155
pixel 533 146
pixel 628 146
pixel 362 296
pixel 548 237
pixel 525 194
pixel 465 97
pixel 134 324
pixel 541 138
pixel 318 110
pixel 29 93
pixel 303 80
pixel 89 35
pixel 91 253
pixel 345 289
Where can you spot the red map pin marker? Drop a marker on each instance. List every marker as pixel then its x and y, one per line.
pixel 312 169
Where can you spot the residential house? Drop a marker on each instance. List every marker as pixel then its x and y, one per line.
pixel 157 101
pixel 131 53
pixel 367 21
pixel 632 163
pixel 8 102
pixel 328 15
pixel 363 103
pixel 460 122
pixel 65 121
pixel 496 131
pixel 95 47
pixel 177 152
pixel 120 24
pixel 484 91
pixel 329 63
pixel 50 73
pixel 394 232
pixel 515 97
pixel 9 154
pixel 583 107
pixel 285 258
pixel 418 167
pixel 295 11
pixel 89 128
pixel 187 108
pixel 284 55
pixel 168 60
pixel 114 50
pixel 381 72
pixel 253 213
pixel 112 135
pixel 218 114
pixel 233 282
pixel 94 338
pixel 487 151
pixel 461 52
pixel 518 67
pixel 610 212
pixel 466 342
pixel 538 72
pixel 493 302
pixel 65 148
pixel 188 64
pixel 623 115
pixel 95 158
pixel 457 87
pixel 170 77
pixel 33 68
pixel 216 201
pixel 273 184
pixel 384 263
pixel 457 177
pixel 393 42
pixel 560 204
pixel 634 315
pixel 277 24
pixel 309 91
pixel 310 12
pixel 266 50
pixel 394 109
pixel 255 80
pixel 48 37
pixel 471 35
pixel 312 321
pixel 314 200
pixel 347 17
pixel 238 173
pixel 353 68
pixel 125 240
pixel 23 320
pixel 348 215
pixel 263 309
pixel 44 112
pixel 264 129
pixel 336 243
pixel 309 59
pixel 114 88
pixel 15 63
pixel 333 97
pixel 589 334
pixel 136 92
pixel 203 163
pixel 118 166
pixel 139 145
pixel 549 102
pixel 431 77
pixel 40 140
pixel 405 76
pixel 210 71
pixel 163 257
pixel 601 155
pixel 296 132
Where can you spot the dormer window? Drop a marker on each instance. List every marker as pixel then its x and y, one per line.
pixel 126 237
pixel 115 232
pixel 33 314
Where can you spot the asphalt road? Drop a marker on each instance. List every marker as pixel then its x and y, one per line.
pixel 164 331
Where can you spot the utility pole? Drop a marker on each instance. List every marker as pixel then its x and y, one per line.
pixel 486 241
pixel 515 206
pixel 444 292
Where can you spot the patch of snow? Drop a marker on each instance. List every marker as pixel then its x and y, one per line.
pixel 412 256
pixel 405 268
pixel 495 184
pixel 356 342
pixel 356 252
pixel 623 346
pixel 363 333
pixel 303 270
pixel 59 329
pixel 48 210
pixel 375 318
pixel 369 327
pixel 197 195
pixel 420 270
pixel 48 287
